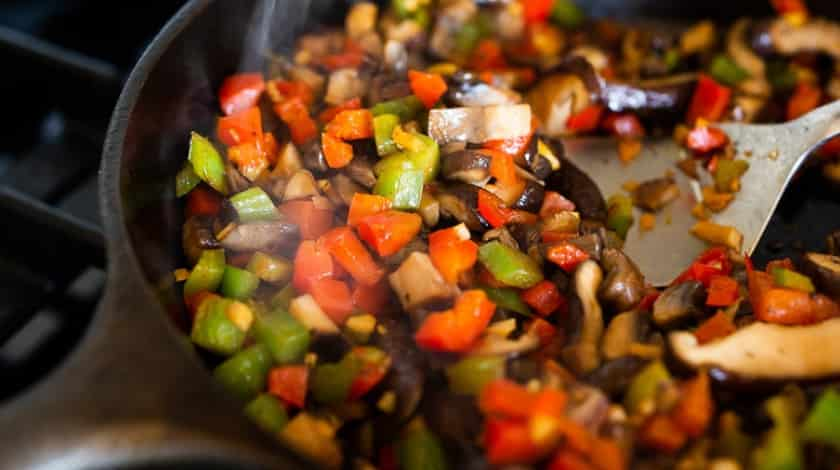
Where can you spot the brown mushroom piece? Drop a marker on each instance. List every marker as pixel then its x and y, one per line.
pixel 582 355
pixel 342 189
pixel 465 89
pixel 817 35
pixel 579 188
pixel 540 159
pixel 468 166
pixel 418 283
pixel 197 235
pixel 460 202
pixel 766 352
pixel 624 285
pixel 588 406
pixel 478 124
pixel 531 198
pixel 678 303
pixel 663 100
pixel 255 236
pixel 741 52
pixel 556 98
pixel 528 237
pixel 655 194
pixel 408 367
pixel 313 157
pixel 614 376
pixel 832 242
pixel 503 235
pixel 824 271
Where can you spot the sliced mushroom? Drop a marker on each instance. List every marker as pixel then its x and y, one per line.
pixel 698 38
pixel 588 406
pixel 624 285
pixel 622 331
pixel 261 236
pixel 236 181
pixel 408 369
pixel 583 355
pixel 531 198
pixel 344 85
pixel 824 271
pixel 742 54
pixel 663 100
pixel 388 86
pixel 314 159
pixel 766 351
pixel 196 236
pixel 679 303
pixel 563 221
pixel 555 98
pixel 655 194
pixel 579 188
pixel 528 238
pixel 344 188
pixel 469 166
pixel 418 283
pixel 417 244
pixel 502 235
pixel 614 376
pixel 494 345
pixel 479 124
pixel 301 185
pixel 591 243
pixel 540 159
pixel 449 21
pixel 817 35
pixel 465 89
pixel 460 202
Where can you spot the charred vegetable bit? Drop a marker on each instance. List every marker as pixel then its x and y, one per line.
pixel 390 264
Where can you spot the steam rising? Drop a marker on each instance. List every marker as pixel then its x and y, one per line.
pixel 274 26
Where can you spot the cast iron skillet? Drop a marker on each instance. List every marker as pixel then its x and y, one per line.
pixel 133 394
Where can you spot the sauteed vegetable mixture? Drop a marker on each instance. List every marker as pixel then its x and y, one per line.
pixel 392 265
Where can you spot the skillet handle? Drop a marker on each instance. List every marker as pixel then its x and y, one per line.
pixel 131 393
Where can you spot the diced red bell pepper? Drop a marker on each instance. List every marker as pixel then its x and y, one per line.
pixel 830 149
pixel 457 330
pixel 249 158
pixel 330 113
pixel 646 304
pixel 241 91
pixel 514 146
pixel 787 306
pixel 312 220
pixel 203 201
pixel 660 432
pixel 716 327
pixel 387 232
pixel 607 455
pixel 371 299
pixel 709 101
pixel 487 55
pixel 269 147
pixel 704 139
pixel 295 113
pixel 696 407
pixel 503 168
pixel 566 255
pixel 352 255
pixel 784 263
pixel 624 125
pixel 544 330
pixel 710 263
pixel 537 11
pixel 452 252
pixel 586 120
pixel 508 441
pixel 505 398
pixel 805 98
pixel 543 297
pixel 363 205
pixel 374 366
pixel 283 90
pixel 352 124
pixel 312 263
pixel 723 291
pixel 789 6
pixel 351 57
pixel 429 87
pixel 337 152
pixel 334 298
pixel 240 127
pixel 556 236
pixel 554 202
pixel 388 458
pixel 289 384
pixel 566 459
pixel 496 214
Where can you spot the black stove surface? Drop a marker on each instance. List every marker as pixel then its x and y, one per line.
pixel 64 62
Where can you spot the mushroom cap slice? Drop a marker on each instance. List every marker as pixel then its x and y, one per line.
pixel 583 354
pixel 765 351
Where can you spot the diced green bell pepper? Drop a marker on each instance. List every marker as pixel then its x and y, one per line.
pixel 780 449
pixel 822 425
pixel 207 274
pixel 727 172
pixel 269 268
pixel 186 180
pixel 407 108
pixel 244 374
pixel 467 37
pixel 619 214
pixel 383 127
pixel 207 163
pixel 644 386
pixel 213 330
pixel 726 71
pixel 566 14
pixel 780 75
pixel 238 283
pixel 510 265
pixel 469 375
pixel 253 205
pixel 672 59
pixel 420 449
pixel 268 413
pixel 331 382
pixel 403 187
pixel 792 280
pixel 508 299
pixel 283 298
pixel 285 337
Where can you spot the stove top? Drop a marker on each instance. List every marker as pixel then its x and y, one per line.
pixel 63 69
